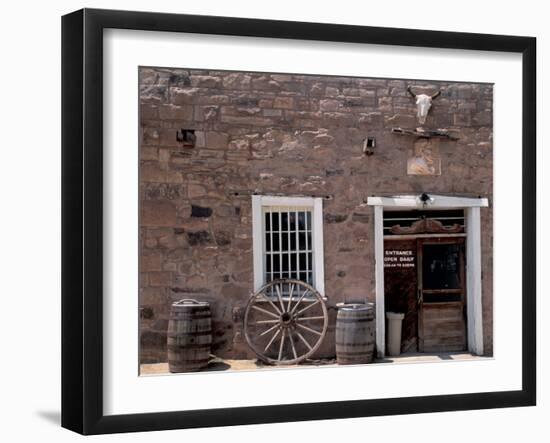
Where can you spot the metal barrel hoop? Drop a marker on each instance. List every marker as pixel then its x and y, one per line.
pixel 187 301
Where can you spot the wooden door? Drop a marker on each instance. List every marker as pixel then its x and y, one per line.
pixel 441 295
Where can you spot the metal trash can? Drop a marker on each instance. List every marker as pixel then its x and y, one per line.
pixel 189 336
pixel 395 321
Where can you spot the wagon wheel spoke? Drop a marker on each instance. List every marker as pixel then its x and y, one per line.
pixel 265 322
pixel 293 346
pixel 280 297
pixel 301 311
pixel 272 339
pixel 290 292
pixel 267 331
pixel 280 357
pixel 301 337
pixel 277 310
pixel 318 317
pixel 313 331
pixel 299 301
pixel 265 311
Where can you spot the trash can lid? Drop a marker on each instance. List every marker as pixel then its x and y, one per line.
pixel 395 315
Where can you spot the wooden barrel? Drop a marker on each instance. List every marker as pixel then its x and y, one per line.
pixel 189 336
pixel 355 333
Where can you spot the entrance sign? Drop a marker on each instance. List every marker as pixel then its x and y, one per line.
pixel 399 258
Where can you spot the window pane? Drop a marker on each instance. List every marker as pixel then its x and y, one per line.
pixel 267 221
pixel 308 220
pixel 310 261
pixel 284 245
pixel 303 276
pixel 285 259
pixel 302 240
pixel 293 261
pixel 293 242
pixel 441 266
pixel 268 242
pixel 284 221
pixel 303 266
pixel 276 263
pixel 276 242
pixel 275 221
pixel 301 220
pixel 292 221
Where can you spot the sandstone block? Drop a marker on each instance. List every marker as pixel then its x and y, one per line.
pixel 171 112
pixel 265 83
pixel 195 191
pixel 335 218
pixel 157 213
pixel 237 81
pixel 148 153
pixel 216 140
pixel 246 120
pixel 161 278
pixel 150 172
pixel 148 112
pixel 206 81
pixel 184 96
pixel 272 113
pixel 401 120
pixel 150 262
pixel 199 238
pixel 283 102
pixel 329 105
pixel 223 238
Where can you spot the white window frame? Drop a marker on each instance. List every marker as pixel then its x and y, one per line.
pixel 315 204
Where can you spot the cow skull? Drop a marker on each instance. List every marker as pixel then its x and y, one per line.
pixel 423 104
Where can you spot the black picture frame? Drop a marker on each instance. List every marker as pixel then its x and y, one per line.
pixel 82 218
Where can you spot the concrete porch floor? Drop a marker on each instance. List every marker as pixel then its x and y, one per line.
pixel 218 364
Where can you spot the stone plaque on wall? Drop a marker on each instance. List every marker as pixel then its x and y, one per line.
pixel 426 159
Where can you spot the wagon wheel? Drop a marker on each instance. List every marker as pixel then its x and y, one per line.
pixel 285 322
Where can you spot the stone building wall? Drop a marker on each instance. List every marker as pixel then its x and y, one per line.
pixel 286 134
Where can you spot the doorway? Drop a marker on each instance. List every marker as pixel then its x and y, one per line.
pixel 471 206
pixel 424 278
pixel 441 295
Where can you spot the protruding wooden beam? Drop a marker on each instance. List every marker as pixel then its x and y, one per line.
pixel 424 134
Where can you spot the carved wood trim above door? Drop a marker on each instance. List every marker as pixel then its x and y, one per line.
pixel 425 226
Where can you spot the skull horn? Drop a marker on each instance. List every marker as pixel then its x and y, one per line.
pixel 409 90
pixel 437 94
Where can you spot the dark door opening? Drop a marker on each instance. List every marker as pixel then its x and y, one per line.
pixel 424 278
pixel 441 295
